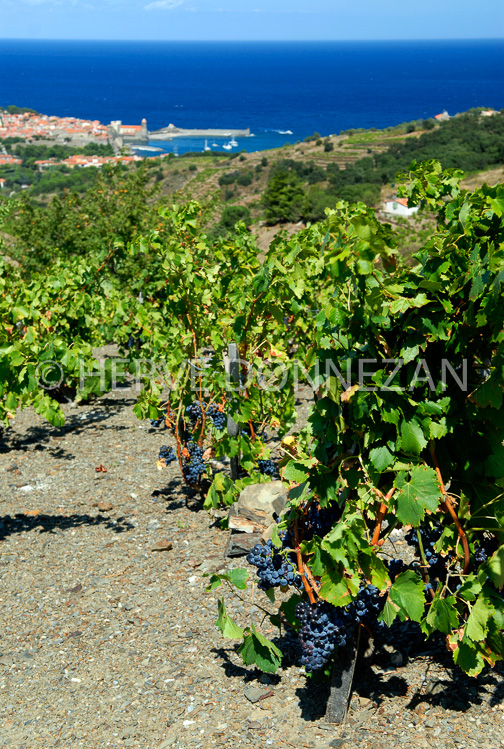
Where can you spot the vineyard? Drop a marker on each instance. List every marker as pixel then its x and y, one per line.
pixel 390 546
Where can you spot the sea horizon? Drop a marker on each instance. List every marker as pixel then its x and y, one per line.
pixel 283 91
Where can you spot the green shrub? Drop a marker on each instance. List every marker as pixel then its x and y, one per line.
pixel 245 179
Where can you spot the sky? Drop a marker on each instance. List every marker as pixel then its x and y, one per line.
pixel 237 20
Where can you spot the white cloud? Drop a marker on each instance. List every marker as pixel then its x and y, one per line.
pixel 164 4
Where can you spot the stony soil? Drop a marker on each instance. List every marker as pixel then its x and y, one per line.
pixel 108 643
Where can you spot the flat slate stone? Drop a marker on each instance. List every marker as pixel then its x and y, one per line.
pixel 261 502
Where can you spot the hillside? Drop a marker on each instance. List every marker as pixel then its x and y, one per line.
pixel 289 186
pixel 283 188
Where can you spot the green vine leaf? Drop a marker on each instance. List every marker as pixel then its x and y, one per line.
pixel 237 577
pixel 468 657
pixel 256 650
pixel 412 437
pixel 477 624
pixel 381 458
pixel 226 625
pixel 407 593
pixel 442 614
pixel 418 491
pixel 495 568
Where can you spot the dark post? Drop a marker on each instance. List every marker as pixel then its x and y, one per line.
pixel 232 426
pixel 342 678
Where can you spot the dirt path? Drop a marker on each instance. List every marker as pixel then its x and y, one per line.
pixel 107 643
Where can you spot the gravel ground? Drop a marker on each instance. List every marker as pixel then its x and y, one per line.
pixel 107 643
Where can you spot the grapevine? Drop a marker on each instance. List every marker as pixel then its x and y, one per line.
pixel 406 432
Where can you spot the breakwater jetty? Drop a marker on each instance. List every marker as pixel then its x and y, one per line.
pixel 166 133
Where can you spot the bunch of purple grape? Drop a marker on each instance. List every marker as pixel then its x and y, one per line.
pixel 193 467
pixel 218 418
pixel 429 536
pixel 195 413
pixel 267 467
pixel 323 628
pixel 274 569
pixel 366 608
pixel 484 549
pixel 395 567
pixel 319 520
pixel 167 454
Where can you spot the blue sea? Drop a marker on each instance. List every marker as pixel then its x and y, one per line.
pixel 283 91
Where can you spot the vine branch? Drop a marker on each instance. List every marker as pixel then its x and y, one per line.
pixel 447 506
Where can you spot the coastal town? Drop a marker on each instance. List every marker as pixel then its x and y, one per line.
pixel 31 127
pixel 34 126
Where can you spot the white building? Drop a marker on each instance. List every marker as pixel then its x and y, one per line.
pixel 398 207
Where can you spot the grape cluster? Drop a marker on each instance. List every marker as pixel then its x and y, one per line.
pixel 429 536
pixel 273 568
pixel 484 549
pixel 395 567
pixel 167 454
pixel 319 521
pixel 367 606
pixel 480 554
pixel 217 417
pixel 193 466
pixel 194 411
pixel 267 467
pixel 157 422
pixel 323 627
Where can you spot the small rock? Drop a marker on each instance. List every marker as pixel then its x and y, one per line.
pixel 254 694
pixel 153 525
pixel 434 687
pixel 240 544
pixel 104 506
pixel 165 545
pixel 254 724
pixel 211 564
pixel 204 674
